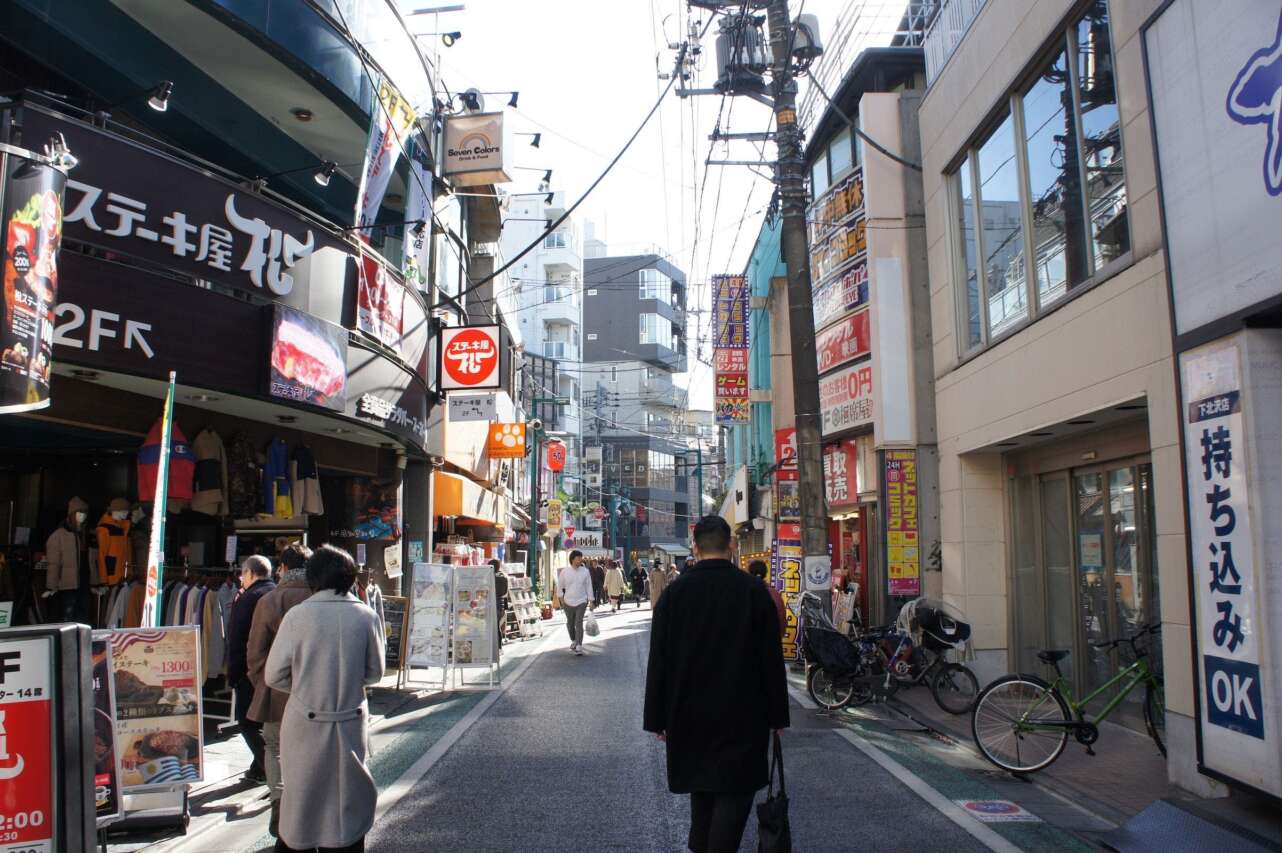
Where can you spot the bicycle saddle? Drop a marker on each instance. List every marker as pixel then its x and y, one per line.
pixel 1052 655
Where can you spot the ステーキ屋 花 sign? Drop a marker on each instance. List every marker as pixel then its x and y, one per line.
pixel 470 358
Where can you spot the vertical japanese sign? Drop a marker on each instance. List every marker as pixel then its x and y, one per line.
pixel 903 556
pixel 1224 568
pixel 840 481
pixel 32 234
pixel 389 128
pixel 106 779
pixel 416 243
pixel 730 348
pixel 786 577
pixel 26 744
pixel 156 546
pixel 838 250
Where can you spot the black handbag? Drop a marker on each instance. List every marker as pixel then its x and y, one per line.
pixel 774 835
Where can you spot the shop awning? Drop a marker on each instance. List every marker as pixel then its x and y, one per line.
pixel 673 550
pixel 459 497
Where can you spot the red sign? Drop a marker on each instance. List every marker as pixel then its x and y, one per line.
pixel 470 357
pixel 26 744
pixel 789 531
pixel 786 453
pixel 730 360
pixel 380 302
pixel 556 457
pixel 840 480
pixel 569 529
pixel 844 342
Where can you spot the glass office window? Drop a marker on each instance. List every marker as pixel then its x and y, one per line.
pixel 1101 136
pixel 656 329
pixel 819 177
pixel 1003 244
pixel 655 285
pixel 840 154
pixel 968 240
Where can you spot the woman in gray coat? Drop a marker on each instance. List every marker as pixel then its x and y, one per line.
pixel 328 650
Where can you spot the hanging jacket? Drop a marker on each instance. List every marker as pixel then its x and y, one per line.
pixel 244 477
pixel 62 554
pixel 182 466
pixel 276 496
pixel 305 482
pixel 211 474
pixel 113 549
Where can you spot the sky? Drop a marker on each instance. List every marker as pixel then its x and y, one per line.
pixel 587 71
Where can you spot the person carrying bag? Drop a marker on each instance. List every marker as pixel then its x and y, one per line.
pixel 774 834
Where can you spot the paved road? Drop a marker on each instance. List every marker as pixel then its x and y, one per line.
pixel 559 763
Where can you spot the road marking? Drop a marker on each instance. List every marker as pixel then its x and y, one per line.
pixel 917 785
pixel 395 792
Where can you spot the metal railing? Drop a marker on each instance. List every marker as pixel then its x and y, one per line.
pixel 946 32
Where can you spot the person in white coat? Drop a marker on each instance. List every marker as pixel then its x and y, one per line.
pixel 328 650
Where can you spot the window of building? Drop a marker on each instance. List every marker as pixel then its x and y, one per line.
pixel 1048 185
pixel 656 329
pixel 655 285
pixel 614 373
pixel 841 154
pixel 556 240
pixel 819 176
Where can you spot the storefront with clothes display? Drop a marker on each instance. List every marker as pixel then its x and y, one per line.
pixel 302 394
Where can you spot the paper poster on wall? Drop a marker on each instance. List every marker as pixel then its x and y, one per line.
pixel 474 616
pixel 430 608
pixel 108 801
pixel 903 553
pixel 159 738
pixel 392 560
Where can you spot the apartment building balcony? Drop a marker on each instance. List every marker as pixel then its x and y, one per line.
pixel 560 254
pixel 560 305
pixel 946 32
pixel 561 350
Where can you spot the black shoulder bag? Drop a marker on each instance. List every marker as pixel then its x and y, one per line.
pixel 774 835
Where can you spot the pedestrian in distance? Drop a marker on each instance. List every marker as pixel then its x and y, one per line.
pixel 715 688
pixel 268 705
pixel 758 569
pixel 329 649
pixel 614 586
pixel 598 583
pixel 575 583
pixel 637 579
pixel 255 582
pixel 500 598
pixel 657 581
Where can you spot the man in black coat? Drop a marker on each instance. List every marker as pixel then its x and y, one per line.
pixel 716 688
pixel 255 582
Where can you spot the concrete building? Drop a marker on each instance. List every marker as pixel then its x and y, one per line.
pixel 1059 437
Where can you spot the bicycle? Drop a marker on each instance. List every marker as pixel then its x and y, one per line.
pixel 953 685
pixel 1021 723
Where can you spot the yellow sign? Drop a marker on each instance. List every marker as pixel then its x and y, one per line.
pixel 554 517
pixel 787 580
pixel 903 553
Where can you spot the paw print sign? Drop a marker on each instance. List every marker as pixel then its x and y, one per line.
pixel 506 441
pixel 470 357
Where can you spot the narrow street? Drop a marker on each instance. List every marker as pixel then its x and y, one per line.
pixel 559 762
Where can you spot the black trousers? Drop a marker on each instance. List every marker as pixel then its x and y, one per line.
pixel 250 730
pixel 717 821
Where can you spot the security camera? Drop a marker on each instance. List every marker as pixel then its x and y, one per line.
pixel 536 424
pixel 437 461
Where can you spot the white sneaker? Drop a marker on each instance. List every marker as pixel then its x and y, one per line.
pixel 578 650
pixel 574 647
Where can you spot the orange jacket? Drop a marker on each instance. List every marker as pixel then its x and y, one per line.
pixel 113 549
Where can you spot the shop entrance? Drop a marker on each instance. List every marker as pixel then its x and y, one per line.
pixel 1084 569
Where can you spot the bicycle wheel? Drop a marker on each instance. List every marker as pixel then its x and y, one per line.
pixel 1005 719
pixel 1155 713
pixel 954 687
pixel 829 693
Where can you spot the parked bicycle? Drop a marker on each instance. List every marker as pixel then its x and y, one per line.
pixel 874 663
pixel 1021 723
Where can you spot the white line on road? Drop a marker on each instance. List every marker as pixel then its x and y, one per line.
pixel 917 785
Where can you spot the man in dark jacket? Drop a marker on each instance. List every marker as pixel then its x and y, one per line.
pixel 598 582
pixel 715 688
pixel 637 579
pixel 255 582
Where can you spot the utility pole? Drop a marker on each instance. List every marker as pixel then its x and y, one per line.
pixel 789 175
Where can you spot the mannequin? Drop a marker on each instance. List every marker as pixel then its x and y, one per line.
pixel 62 553
pixel 112 534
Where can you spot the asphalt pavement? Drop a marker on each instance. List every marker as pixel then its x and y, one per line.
pixel 559 762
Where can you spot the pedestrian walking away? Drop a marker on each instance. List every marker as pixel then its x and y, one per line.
pixel 658 580
pixel 575 583
pixel 598 582
pixel 614 585
pixel 268 705
pixel 715 688
pixel 757 568
pixel 255 582
pixel 329 649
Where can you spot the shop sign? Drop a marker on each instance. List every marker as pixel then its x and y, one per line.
pixel 845 398
pixel 470 358
pixel 108 800
pixel 786 576
pixel 476 149
pixel 786 453
pixel 159 736
pixel 788 501
pixel 843 343
pixel 1222 186
pixel 475 616
pixel 554 516
pixel 32 234
pixel 417 243
pixel 903 559
pixel 589 542
pixel 818 572
pixel 1222 544
pixel 391 122
pixel 134 200
pixel 840 478
pixel 383 393
pixel 843 294
pixel 730 349
pixel 380 301
pixel 430 606
pixel 466 408
pixel 837 230
pixel 27 744
pixel 506 441
pixel 308 361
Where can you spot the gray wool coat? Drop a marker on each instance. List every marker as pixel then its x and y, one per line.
pixel 328 650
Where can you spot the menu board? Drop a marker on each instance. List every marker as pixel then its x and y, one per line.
pixel 429 631
pixel 158 706
pixel 395 620
pixel 474 616
pixel 106 778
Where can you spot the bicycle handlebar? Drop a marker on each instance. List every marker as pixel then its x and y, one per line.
pixel 1151 628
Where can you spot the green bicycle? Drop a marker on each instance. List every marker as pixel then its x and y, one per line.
pixel 1021 723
